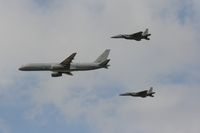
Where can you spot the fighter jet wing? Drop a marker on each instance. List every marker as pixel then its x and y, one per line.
pixel 137 34
pixel 68 61
pixel 142 93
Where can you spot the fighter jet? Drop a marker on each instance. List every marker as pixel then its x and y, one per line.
pixel 142 94
pixel 136 36
pixel 67 66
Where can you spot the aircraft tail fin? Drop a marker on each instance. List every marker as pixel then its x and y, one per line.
pixel 146 32
pixel 150 90
pixel 103 57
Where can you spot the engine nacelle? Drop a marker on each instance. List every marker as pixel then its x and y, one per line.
pixel 56 74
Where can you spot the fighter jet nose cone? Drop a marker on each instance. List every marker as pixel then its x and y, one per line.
pixel 20 69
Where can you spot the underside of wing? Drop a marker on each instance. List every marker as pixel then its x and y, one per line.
pixel 68 73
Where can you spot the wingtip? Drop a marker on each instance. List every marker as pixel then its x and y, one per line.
pixel 108 50
pixel 74 53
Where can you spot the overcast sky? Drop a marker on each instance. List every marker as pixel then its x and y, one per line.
pixel 88 102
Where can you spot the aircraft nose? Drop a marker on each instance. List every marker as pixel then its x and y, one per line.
pixel 21 68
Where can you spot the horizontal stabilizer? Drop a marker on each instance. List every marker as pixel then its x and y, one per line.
pixel 105 63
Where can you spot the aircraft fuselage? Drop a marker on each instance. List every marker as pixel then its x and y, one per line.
pixel 67 66
pixel 60 68
pixel 135 36
pixel 143 95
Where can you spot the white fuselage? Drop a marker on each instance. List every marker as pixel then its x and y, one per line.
pixel 55 67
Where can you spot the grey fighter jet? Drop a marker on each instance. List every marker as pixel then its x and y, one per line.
pixel 142 94
pixel 136 36
pixel 67 66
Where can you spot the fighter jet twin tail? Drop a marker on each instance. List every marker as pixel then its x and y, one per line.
pixel 67 66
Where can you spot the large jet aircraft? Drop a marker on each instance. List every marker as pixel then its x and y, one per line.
pixel 142 94
pixel 136 36
pixel 67 66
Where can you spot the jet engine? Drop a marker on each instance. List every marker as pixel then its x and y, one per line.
pixel 56 74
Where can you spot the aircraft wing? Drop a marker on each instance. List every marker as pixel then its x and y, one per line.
pixel 137 34
pixel 142 93
pixel 68 73
pixel 68 61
